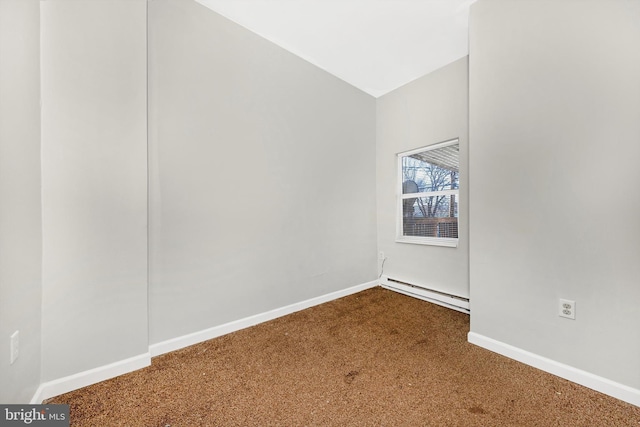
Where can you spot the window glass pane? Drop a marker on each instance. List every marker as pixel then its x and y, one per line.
pixel 435 216
pixel 431 170
pixel 431 207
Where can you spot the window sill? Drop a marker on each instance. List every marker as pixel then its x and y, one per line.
pixel 429 241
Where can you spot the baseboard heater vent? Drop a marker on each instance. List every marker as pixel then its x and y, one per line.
pixel 444 299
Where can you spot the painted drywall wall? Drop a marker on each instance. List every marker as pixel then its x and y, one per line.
pixel 94 192
pixel 555 145
pixel 20 209
pixel 262 170
pixel 426 111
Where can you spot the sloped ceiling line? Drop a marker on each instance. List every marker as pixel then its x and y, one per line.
pixel 375 45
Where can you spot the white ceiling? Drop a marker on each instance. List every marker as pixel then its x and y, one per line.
pixel 375 45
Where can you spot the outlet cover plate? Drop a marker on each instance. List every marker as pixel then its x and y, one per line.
pixel 567 308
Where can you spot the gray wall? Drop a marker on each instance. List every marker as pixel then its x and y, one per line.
pixel 262 166
pixel 94 193
pixel 555 131
pixel 20 228
pixel 428 110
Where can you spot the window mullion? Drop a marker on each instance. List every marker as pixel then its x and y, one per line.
pixel 430 194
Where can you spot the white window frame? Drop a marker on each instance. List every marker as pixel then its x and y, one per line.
pixel 422 240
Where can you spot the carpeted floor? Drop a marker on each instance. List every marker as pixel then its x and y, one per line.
pixel 376 358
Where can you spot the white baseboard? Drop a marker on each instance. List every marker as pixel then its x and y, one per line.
pixel 587 379
pixel 226 328
pixel 92 376
pixel 96 375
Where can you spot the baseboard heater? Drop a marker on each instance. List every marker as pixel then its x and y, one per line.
pixel 444 299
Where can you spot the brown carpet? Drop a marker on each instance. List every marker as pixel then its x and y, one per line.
pixel 376 358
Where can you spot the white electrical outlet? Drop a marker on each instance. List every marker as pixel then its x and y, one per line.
pixel 15 346
pixel 567 309
pixel 380 255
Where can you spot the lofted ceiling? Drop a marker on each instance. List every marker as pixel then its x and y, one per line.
pixel 375 45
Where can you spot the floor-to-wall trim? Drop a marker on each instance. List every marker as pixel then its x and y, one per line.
pixel 587 379
pixel 216 331
pixel 92 376
pixel 82 379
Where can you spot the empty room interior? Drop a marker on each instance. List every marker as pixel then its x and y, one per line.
pixel 172 171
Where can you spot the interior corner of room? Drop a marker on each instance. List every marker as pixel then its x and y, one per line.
pixel 171 176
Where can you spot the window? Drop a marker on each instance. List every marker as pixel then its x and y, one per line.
pixel 428 195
